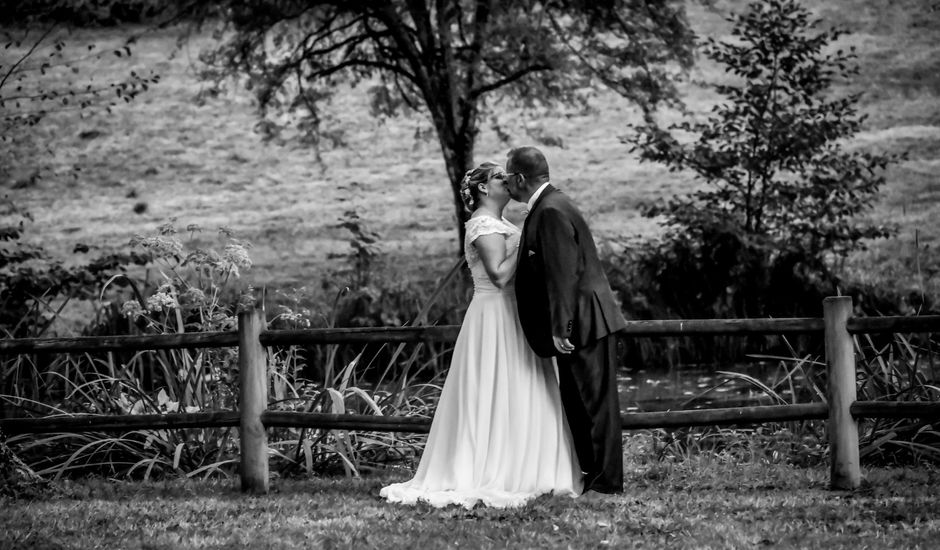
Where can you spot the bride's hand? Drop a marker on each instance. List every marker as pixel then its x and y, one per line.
pixel 499 258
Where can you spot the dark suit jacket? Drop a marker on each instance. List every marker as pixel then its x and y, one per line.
pixel 561 288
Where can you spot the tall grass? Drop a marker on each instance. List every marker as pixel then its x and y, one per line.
pixel 195 292
pixel 901 367
pixel 408 383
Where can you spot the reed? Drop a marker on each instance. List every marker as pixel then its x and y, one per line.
pixel 900 367
pixel 191 296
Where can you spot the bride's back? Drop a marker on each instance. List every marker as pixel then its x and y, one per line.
pixel 484 225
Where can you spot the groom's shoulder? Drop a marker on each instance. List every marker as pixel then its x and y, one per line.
pixel 560 199
pixel 556 196
pixel 555 201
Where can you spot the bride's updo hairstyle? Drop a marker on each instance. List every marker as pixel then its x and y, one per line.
pixel 470 185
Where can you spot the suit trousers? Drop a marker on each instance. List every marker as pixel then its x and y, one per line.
pixel 588 385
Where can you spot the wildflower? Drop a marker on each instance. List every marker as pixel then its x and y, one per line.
pixel 227 322
pixel 132 310
pixel 163 298
pixel 168 228
pixel 293 318
pixel 203 261
pixel 235 257
pixel 160 247
pixel 194 295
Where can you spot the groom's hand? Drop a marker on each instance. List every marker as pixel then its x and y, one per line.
pixel 563 345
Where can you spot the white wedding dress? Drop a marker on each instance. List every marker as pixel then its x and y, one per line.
pixel 499 436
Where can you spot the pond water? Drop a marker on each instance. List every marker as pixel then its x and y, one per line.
pixel 701 386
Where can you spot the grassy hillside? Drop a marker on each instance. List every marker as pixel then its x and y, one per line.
pixel 180 152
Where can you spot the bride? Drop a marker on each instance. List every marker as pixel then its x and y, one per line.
pixel 499 436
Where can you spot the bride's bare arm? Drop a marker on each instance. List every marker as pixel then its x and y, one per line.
pixel 499 265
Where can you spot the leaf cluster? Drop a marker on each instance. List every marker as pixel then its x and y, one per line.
pixel 41 75
pixel 87 13
pixel 35 285
pixel 365 248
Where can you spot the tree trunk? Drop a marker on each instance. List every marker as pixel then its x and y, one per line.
pixel 455 120
pixel 458 157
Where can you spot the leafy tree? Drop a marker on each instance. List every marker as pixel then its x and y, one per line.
pixel 41 75
pixel 781 195
pixel 449 58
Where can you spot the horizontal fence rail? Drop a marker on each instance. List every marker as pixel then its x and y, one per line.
pixel 83 344
pixel 365 335
pixel 111 423
pixel 870 325
pixel 724 416
pixel 411 424
pixel 895 409
pixel 365 422
pixel 841 409
pixel 686 327
pixel 448 333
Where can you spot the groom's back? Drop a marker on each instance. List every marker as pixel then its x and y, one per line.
pixel 596 312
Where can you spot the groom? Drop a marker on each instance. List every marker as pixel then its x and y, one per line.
pixel 568 311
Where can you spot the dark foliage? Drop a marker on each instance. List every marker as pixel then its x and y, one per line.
pixel 35 286
pixel 88 13
pixel 781 195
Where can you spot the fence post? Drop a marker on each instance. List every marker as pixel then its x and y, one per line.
pixel 844 471
pixel 252 401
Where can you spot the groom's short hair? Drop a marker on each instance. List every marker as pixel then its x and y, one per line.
pixel 528 161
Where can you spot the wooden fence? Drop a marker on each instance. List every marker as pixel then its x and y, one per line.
pixel 841 408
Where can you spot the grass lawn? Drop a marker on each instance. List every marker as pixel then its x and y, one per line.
pixel 699 503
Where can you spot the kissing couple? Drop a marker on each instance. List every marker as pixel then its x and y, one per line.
pixel 529 405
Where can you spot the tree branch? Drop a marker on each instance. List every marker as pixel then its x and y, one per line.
pixel 25 56
pixel 422 20
pixel 358 63
pixel 480 26
pixel 397 27
pixel 477 92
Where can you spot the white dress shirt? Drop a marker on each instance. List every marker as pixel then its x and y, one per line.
pixel 535 197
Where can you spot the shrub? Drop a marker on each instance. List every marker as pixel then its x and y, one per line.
pixel 780 195
pixel 35 285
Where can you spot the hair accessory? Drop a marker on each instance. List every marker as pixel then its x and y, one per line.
pixel 465 190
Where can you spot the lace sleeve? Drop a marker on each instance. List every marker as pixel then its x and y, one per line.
pixel 484 225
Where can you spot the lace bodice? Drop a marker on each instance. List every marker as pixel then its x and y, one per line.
pixel 485 225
